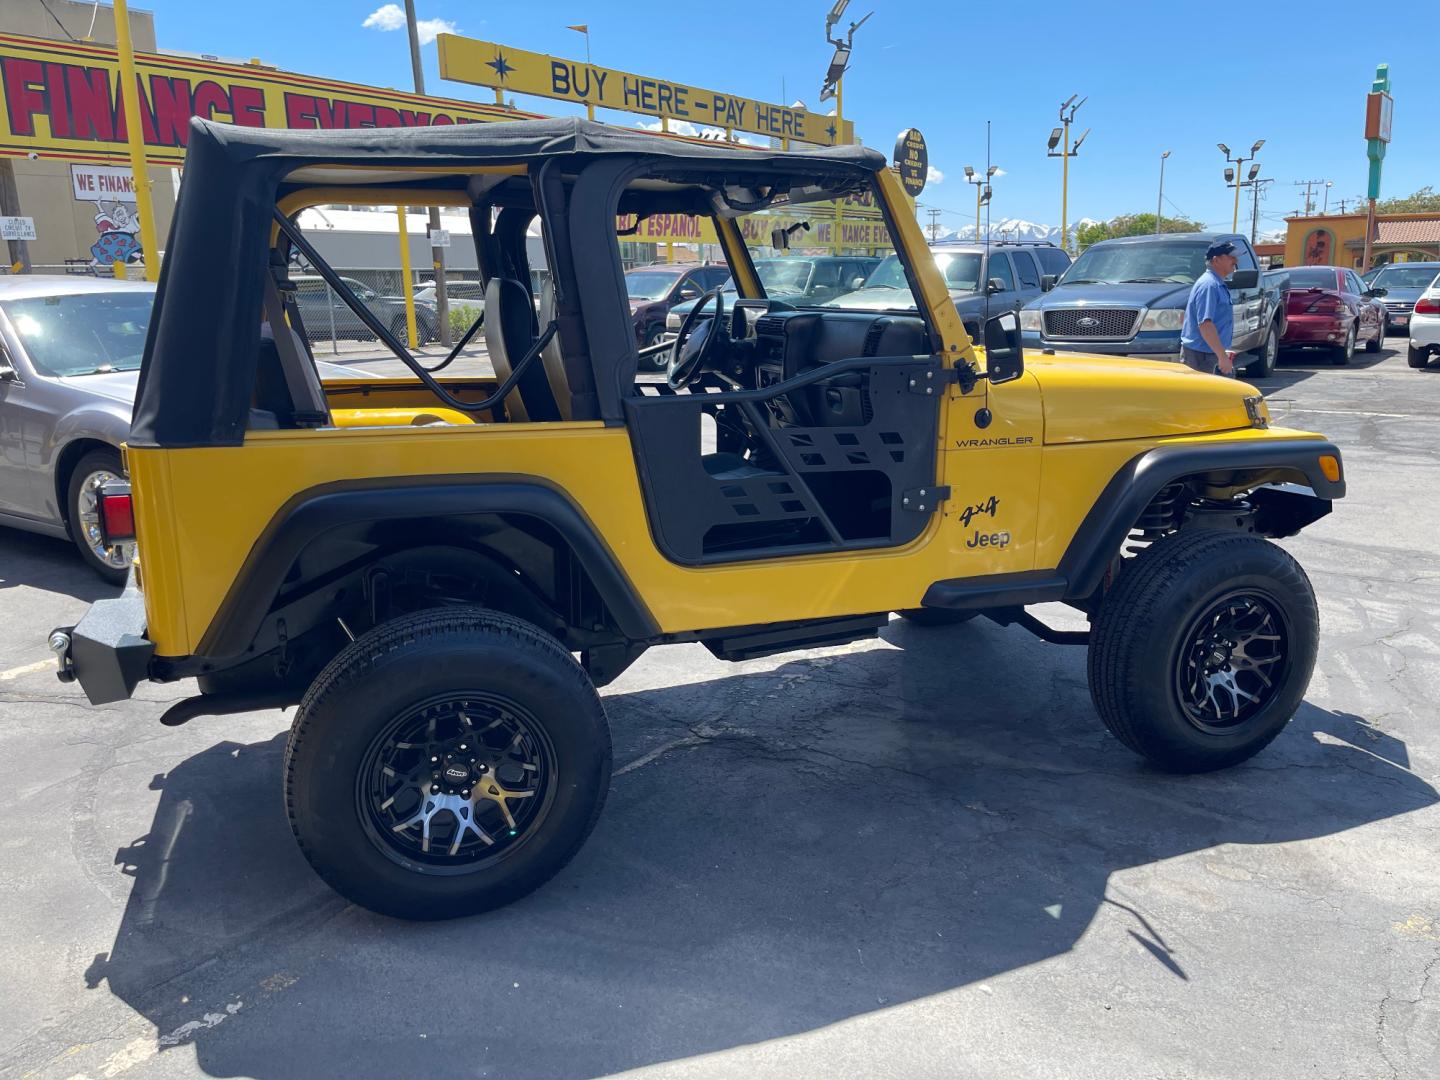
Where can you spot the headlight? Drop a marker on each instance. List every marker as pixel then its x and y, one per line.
pixel 1163 319
pixel 1030 320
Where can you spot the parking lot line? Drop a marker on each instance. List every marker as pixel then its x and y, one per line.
pixel 38 665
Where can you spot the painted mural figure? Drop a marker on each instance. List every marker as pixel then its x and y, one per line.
pixel 117 227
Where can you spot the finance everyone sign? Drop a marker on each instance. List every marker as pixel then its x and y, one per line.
pixel 486 63
pixel 62 100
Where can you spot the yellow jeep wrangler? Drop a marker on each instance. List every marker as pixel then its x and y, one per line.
pixel 440 570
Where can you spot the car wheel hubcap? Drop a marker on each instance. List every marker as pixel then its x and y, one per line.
pixel 1232 662
pixel 456 783
pixel 87 513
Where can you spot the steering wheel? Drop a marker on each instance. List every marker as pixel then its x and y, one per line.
pixel 695 345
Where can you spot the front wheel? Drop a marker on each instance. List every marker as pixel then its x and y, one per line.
pixel 110 561
pixel 446 763
pixel 1202 651
pixel 1373 345
pixel 661 360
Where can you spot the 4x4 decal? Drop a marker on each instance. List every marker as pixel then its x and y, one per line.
pixel 989 506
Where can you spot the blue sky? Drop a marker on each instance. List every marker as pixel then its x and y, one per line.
pixel 1178 77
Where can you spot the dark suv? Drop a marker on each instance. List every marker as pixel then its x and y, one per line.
pixel 655 289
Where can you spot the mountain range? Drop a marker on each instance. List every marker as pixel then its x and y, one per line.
pixel 1007 229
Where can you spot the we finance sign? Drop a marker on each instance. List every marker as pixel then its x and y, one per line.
pixel 486 63
pixel 62 100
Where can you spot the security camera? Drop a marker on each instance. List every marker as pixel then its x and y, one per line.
pixel 33 156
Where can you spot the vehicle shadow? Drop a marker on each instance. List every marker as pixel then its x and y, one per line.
pixel 49 563
pixel 782 850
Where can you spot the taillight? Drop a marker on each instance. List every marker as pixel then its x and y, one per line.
pixel 1326 305
pixel 1427 305
pixel 117 513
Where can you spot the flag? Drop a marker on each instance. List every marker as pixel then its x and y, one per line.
pixel 583 28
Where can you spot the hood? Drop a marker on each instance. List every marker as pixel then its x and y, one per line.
pixel 1408 296
pixel 1136 294
pixel 115 385
pixel 1096 398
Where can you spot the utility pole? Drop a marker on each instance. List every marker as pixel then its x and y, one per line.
pixel 437 254
pixel 1256 188
pixel 10 207
pixel 934 224
pixel 1160 199
pixel 1309 197
pixel 1067 116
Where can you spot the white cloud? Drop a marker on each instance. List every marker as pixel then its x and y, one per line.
pixel 934 176
pixel 388 17
pixel 392 17
pixel 999 173
pixel 694 131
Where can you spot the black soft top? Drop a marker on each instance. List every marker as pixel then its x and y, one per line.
pixel 199 366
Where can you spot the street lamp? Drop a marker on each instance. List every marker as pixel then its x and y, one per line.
pixel 982 191
pixel 1061 136
pixel 1160 201
pixel 1232 175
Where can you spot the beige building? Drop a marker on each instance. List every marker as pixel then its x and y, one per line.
pixel 74 204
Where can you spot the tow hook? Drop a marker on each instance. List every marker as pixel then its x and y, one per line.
pixel 60 646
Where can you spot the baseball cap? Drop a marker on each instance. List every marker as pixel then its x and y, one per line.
pixel 1220 247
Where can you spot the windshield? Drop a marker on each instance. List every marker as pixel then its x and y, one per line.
pixel 82 333
pixel 1405 277
pixel 1178 262
pixel 649 284
pixel 1311 278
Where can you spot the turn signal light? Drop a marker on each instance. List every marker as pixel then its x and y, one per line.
pixel 1427 305
pixel 1330 466
pixel 117 517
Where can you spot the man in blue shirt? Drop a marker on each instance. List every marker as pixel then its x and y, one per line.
pixel 1209 316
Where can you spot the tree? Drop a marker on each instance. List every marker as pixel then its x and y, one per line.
pixel 1131 225
pixel 1424 201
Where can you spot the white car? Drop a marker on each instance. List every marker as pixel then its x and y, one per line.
pixel 463 295
pixel 1425 327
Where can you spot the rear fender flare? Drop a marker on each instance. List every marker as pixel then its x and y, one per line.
pixel 311 514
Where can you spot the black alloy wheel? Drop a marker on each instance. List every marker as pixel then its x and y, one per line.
pixel 1233 658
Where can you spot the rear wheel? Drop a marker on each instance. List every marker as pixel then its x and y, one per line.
pixel 446 763
pixel 660 361
pixel 930 616
pixel 1263 366
pixel 110 561
pixel 1202 651
pixel 1417 358
pixel 1343 353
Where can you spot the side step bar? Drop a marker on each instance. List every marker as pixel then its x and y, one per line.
pixel 752 642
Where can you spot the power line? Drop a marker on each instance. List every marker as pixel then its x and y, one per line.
pixel 56 19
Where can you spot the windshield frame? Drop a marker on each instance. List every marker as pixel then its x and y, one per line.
pixel 14 311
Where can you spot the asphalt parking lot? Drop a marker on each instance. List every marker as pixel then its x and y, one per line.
pixel 914 857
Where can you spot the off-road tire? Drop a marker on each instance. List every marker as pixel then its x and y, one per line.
pixel 930 616
pixel 1263 366
pixel 454 651
pixel 1417 358
pixel 1341 354
pixel 1145 622
pixel 96 461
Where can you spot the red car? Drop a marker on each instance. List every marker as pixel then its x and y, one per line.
pixel 1329 307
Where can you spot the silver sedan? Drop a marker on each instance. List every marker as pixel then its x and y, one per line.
pixel 70 351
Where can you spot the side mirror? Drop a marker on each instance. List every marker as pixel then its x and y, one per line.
pixel 857 283
pixel 1375 294
pixel 1244 279
pixel 1047 281
pixel 688 292
pixel 1004 355
pixel 7 373
pixel 993 286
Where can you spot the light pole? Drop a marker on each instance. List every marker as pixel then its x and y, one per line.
pixel 437 254
pixel 1234 173
pixel 1061 136
pixel 1325 208
pixel 1160 199
pixel 982 191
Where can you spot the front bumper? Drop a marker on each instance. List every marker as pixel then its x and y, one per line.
pixel 107 651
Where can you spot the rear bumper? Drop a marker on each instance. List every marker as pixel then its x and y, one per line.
pixel 1314 330
pixel 1425 331
pixel 107 652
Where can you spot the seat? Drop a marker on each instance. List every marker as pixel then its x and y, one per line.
pixel 569 376
pixel 509 335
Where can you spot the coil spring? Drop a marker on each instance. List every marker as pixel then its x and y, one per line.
pixel 1161 516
